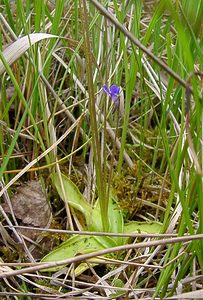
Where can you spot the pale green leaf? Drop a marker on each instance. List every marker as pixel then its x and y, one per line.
pixel 72 194
pixel 77 200
pixel 73 246
pixel 143 227
pixel 115 219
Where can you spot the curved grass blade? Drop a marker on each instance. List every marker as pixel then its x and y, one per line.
pixel 19 47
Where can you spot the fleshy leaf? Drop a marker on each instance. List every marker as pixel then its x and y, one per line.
pixel 143 227
pixel 115 219
pixel 78 245
pixel 73 246
pixel 72 193
pixel 77 200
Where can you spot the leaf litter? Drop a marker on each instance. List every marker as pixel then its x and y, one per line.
pixel 30 207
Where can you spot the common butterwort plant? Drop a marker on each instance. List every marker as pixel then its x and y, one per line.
pixel 114 93
pixel 93 216
pixel 81 244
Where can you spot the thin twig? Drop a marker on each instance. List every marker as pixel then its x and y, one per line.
pixel 79 258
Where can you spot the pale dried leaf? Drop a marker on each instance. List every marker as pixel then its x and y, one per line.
pixel 30 205
pixel 19 47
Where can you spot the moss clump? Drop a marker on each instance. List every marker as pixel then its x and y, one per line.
pixel 136 190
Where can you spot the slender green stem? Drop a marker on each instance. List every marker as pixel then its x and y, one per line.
pixel 101 186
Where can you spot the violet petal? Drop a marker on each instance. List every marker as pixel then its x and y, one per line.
pixel 106 89
pixel 115 90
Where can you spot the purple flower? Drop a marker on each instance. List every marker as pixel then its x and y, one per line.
pixel 113 92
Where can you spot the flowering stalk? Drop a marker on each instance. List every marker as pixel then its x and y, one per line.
pixel 101 186
pixel 114 93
